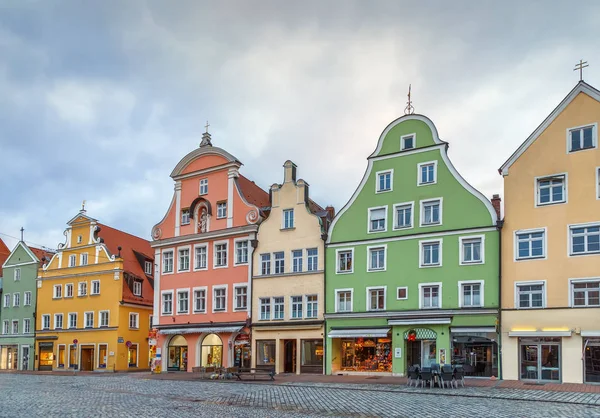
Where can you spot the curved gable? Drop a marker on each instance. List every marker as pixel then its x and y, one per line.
pixel 218 156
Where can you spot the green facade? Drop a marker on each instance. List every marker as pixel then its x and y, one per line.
pixel 19 277
pixel 442 322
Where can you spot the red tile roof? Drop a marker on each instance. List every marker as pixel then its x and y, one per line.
pixel 253 193
pixel 41 253
pixel 4 253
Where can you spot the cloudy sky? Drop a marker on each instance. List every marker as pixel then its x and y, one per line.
pixel 100 100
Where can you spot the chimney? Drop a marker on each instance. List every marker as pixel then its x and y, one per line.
pixel 496 204
pixel 331 211
pixel 289 172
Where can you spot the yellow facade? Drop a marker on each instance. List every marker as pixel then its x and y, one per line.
pixel 546 342
pixel 85 279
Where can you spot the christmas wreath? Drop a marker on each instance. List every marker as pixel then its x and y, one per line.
pixel 412 335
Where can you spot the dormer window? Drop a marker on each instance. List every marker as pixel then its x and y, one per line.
pixel 137 288
pixel 148 267
pixel 203 186
pixel 79 239
pixel 580 138
pixel 185 217
pixel 407 142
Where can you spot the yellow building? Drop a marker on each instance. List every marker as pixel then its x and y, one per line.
pixel 551 247
pixel 288 280
pixel 94 302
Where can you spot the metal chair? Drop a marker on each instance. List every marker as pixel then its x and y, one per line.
pixel 426 376
pixel 413 376
pixel 459 375
pixel 447 376
pixel 531 372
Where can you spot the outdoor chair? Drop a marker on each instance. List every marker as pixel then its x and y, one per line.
pixel 435 367
pixel 210 371
pixel 413 376
pixel 459 376
pixel 426 377
pixel 446 376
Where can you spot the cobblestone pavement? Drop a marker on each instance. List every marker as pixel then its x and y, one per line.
pixel 23 395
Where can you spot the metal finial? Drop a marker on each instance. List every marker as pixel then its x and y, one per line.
pixel 83 206
pixel 22 230
pixel 206 126
pixel 580 66
pixel 409 109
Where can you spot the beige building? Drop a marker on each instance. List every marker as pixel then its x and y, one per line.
pixel 551 247
pixel 288 280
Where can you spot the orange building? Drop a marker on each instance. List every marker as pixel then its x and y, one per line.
pixel 205 245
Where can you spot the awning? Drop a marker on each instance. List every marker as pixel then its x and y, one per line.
pixel 466 330
pixel 357 332
pixel 590 333
pixel 539 333
pixel 207 330
pixel 420 321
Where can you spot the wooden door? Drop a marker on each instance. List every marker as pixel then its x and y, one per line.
pixel 87 358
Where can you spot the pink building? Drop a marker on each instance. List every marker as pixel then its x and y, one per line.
pixel 203 247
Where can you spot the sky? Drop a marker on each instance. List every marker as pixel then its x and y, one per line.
pixel 100 100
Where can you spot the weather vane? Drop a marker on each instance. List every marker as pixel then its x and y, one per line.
pixel 580 66
pixel 409 109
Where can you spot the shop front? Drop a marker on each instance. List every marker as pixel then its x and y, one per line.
pixel 9 357
pixel 242 351
pixel 591 356
pixel 177 355
pixel 46 356
pixel 361 350
pixel 476 350
pixel 212 351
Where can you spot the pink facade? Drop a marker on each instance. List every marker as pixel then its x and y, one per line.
pixel 203 248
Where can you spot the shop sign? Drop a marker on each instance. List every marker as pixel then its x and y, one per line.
pixel 398 352
pixel 46 345
pixel 442 356
pixel 120 340
pixel 152 341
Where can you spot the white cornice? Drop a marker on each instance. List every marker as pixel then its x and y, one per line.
pixel 221 233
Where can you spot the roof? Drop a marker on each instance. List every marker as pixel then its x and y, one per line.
pixel 581 87
pixel 4 253
pixel 253 193
pixel 314 207
pixel 40 253
pixel 130 244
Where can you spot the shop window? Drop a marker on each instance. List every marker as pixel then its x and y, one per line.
pixel 102 355
pixel 476 352
pixel 61 357
pixel 367 354
pixel 132 355
pixel 212 351
pixel 265 353
pixel 73 356
pixel 540 359
pixel 312 353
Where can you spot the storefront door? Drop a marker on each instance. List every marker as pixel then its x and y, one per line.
pixel 540 359
pixel 428 353
pixel 289 356
pixel 413 354
pixel 592 361
pixel 25 357
pixel 87 359
pixel 46 356
pixel 177 360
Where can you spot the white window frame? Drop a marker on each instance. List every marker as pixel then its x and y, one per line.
pixel 55 294
pixel 7 300
pixel 205 246
pixel 283 219
pixel 263 262
pixel 368 296
pixel 62 321
pixel 219 205
pixel 427 163
pixel 597 183
pixel 6 327
pixel 264 302
pixel 194 290
pixel 312 302
pixel 69 315
pixel 461 295
pixel 214 299
pixel 380 173
pixel 226 242
pixel 301 262
pixel 83 259
pixel 292 307
pixel 183 291
pixel 79 293
pixel 27 326
pixel 422 243
pixel 92 293
pixel 370 268
pixel 337 260
pixel 137 285
pixel 421 298
pixel 162 305
pixel 12 328
pixel 316 265
pixel 273 310
pixel 72 260
pixel 203 183
pixel 162 261
pixel 385 220
pixel 236 261
pixel 402 287
pixel 536 188
pixel 148 265
pixel 572 291
pixel 516 234
pixel 136 324
pixel 72 287
pixel 189 256
pixel 46 318
pixel 337 292
pixel 235 296
pixel 461 255
pixel 185 220
pixel 85 319
pixel 100 319
pixel 275 260
pixel 16 300
pixel 530 283
pixel 17 274
pixel 27 298
pixel 570 228
pixel 594 137
pixel 403 137
pixel 397 206
pixel 422 204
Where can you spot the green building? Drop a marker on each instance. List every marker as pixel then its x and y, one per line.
pixel 17 307
pixel 412 263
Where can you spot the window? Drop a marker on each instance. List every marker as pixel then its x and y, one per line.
pixel 431 253
pixel 585 239
pixel 72 260
pixel 220 303
pixel 221 255
pixel 530 244
pixel 72 355
pixel 185 217
pixel 241 297
pixel 430 296
pixel 183 301
pixel 89 319
pixel 57 291
pixel 384 181
pixel 403 215
pixel 296 307
pixel 598 183
pixel 344 300
pixel 551 190
pixel 278 308
pixel 431 212
pixel 148 267
pixel 137 288
pixel 312 306
pixel 26 326
pixel 58 321
pixel 184 259
pixel 376 299
pixel 168 262
pixel 241 252
pixel 312 258
pixel 377 219
pixel 407 142
pixel 7 301
pixel 265 353
pixel 376 258
pixel 69 290
pixel 279 262
pixel 16 300
pixel 345 264
pixel 82 290
pixel 203 186
pixel 104 316
pixel 17 274
pixel 221 210
pixel 79 239
pixel 199 300
pixel 265 309
pixel 265 264
pixel 201 257
pixel 15 326
pixel 471 250
pixel 427 173
pixel 586 293
pixel 27 297
pixel 84 259
pixel 72 320
pixel 471 294
pixel 288 218
pixel 402 293
pixel 167 303
pixel 297 261
pixel 61 356
pixel 45 321
pixel 5 327
pixel 530 295
pixel 95 287
pixel 582 138
pixel 134 321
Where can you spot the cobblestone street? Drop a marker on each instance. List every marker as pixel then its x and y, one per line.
pixel 25 395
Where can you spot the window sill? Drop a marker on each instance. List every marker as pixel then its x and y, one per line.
pixel 383 191
pixel 430 308
pixel 539 205
pixel 431 224
pixel 134 329
pixel 571 151
pixel 429 183
pixel 240 309
pixel 375 231
pixel 470 263
pixel 344 272
pixel 200 312
pixel 423 266
pixel 288 229
pixel 585 253
pixel 375 270
pixel 531 258
pixel 185 223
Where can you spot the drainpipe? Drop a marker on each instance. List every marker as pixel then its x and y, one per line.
pixel 324 238
pixel 499 225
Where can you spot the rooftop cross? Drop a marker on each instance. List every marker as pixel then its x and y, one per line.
pixel 409 109
pixel 580 66
pixel 206 137
pixel 206 126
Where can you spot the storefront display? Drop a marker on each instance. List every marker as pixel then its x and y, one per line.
pixel 367 354
pixel 540 359
pixel 265 353
pixel 477 352
pixel 46 356
pixel 177 356
pixel 212 351
pixel 242 353
pixel 592 360
pixel 312 356
pixel 9 355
